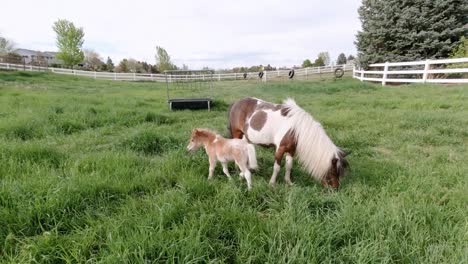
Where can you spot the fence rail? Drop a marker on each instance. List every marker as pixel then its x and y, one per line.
pixel 425 75
pixel 268 75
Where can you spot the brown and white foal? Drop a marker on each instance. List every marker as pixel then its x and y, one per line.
pixel 223 150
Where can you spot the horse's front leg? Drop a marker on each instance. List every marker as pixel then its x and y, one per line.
pixel 212 167
pixel 277 166
pixel 289 164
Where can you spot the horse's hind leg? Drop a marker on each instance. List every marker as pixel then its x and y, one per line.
pixel 277 166
pixel 225 169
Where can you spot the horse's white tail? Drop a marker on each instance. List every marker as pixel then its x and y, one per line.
pixel 252 157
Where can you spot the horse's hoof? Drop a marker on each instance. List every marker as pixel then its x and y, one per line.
pixel 272 184
pixel 289 183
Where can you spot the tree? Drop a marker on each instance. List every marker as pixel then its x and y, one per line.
pixel 402 30
pixel 123 66
pixel 92 60
pixel 325 57
pixel 341 59
pixel 69 42
pixel 319 62
pixel 350 58
pixel 306 63
pixel 163 60
pixel 6 46
pixel 109 65
pixel 460 51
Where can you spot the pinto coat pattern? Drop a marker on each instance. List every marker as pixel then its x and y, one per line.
pixel 223 150
pixel 292 131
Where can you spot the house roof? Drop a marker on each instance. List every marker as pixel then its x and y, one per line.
pixel 28 52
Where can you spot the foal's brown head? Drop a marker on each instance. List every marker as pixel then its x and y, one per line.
pixel 337 170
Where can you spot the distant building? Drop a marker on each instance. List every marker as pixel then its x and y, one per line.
pixel 38 57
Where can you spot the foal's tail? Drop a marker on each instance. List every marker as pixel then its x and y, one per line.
pixel 252 157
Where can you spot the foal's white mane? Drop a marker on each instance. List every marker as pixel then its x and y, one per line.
pixel 314 148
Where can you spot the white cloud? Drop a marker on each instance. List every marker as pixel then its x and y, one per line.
pixel 200 33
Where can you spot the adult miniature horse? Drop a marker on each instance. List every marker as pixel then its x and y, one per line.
pixel 292 131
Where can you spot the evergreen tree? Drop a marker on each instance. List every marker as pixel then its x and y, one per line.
pixel 341 59
pixel 109 65
pixel 404 30
pixel 350 58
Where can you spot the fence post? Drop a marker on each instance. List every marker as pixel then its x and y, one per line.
pixel 362 75
pixel 384 77
pixel 306 73
pixel 426 71
pixel 134 76
pixel 219 76
pixel 265 75
pixel 115 76
pixel 8 66
pixel 95 75
pixel 278 72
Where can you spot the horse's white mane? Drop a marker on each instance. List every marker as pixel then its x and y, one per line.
pixel 314 149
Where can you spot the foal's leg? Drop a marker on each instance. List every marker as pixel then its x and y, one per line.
pixel 276 168
pixel 212 167
pixel 225 169
pixel 245 172
pixel 289 164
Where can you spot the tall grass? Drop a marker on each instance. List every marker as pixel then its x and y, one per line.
pixel 96 171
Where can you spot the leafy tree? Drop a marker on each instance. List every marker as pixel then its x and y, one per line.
pixel 109 65
pixel 325 57
pixel 351 58
pixel 403 30
pixel 460 51
pixel 163 60
pixel 69 42
pixel 341 59
pixel 319 62
pixel 6 46
pixel 306 63
pixel 123 66
pixel 92 60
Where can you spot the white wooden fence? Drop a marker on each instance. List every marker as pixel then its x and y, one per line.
pixel 268 75
pixel 419 72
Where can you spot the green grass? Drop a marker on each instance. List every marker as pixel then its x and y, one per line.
pixel 96 171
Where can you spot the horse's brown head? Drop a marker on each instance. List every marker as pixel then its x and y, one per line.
pixel 337 170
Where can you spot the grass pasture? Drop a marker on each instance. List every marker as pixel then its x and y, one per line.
pixel 96 171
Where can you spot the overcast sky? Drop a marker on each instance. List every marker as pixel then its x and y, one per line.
pixel 218 34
